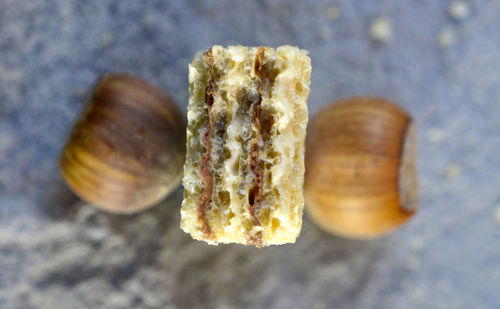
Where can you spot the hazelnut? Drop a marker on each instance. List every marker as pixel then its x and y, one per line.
pixel 361 176
pixel 127 150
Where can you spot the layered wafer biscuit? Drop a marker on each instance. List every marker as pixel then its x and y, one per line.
pixel 244 168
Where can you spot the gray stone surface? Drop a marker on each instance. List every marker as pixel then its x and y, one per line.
pixel 57 252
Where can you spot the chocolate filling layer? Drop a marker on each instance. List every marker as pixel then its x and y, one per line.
pixel 256 191
pixel 205 171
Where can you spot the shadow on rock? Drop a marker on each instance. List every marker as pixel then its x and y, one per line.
pixel 278 276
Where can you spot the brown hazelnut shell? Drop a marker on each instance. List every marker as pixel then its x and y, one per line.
pixel 127 150
pixel 361 178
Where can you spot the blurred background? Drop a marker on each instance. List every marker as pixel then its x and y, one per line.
pixel 440 60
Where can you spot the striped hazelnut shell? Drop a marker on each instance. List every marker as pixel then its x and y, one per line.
pixel 127 150
pixel 361 178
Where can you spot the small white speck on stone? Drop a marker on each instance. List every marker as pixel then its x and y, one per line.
pixel 119 300
pixel 496 214
pixel 332 12
pixel 452 171
pixel 458 10
pixel 96 234
pixel 446 38
pixel 319 305
pixel 326 33
pixel 381 30
pixel 147 20
pixel 106 39
pixel 413 263
pixel 85 212
pixel 9 75
pixel 417 243
pixel 435 135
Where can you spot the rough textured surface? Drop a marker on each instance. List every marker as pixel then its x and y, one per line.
pixel 58 253
pixel 244 169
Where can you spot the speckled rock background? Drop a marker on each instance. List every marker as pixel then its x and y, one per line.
pixel 57 252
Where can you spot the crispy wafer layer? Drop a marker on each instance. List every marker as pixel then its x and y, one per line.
pixel 247 118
